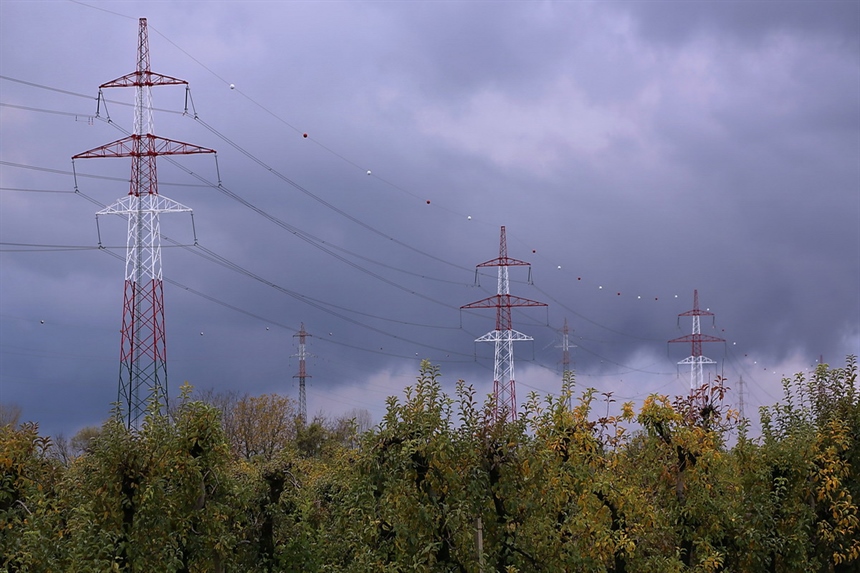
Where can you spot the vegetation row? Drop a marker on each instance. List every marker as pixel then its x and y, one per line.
pixel 237 483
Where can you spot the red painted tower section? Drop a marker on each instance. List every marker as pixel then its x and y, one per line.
pixel 696 360
pixel 143 348
pixel 504 386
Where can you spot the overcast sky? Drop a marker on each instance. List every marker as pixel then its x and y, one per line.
pixel 634 151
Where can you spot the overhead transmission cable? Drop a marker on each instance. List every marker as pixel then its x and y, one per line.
pixel 320 200
pixel 305 236
pixel 319 305
pixel 218 259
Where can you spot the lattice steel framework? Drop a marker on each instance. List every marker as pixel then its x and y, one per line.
pixel 504 336
pixel 696 360
pixel 565 348
pixel 566 372
pixel 302 355
pixel 143 348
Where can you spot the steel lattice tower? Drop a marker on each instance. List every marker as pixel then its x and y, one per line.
pixel 504 336
pixel 566 372
pixel 565 348
pixel 143 350
pixel 696 360
pixel 303 408
pixel 741 412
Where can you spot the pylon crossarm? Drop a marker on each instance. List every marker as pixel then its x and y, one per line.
pixel 166 146
pixel 503 335
pixel 503 300
pixel 131 146
pixel 149 203
pixel 504 262
pixel 697 338
pixel 697 360
pixel 143 78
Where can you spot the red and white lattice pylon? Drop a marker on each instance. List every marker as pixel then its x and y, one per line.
pixel 696 360
pixel 143 353
pixel 302 374
pixel 504 336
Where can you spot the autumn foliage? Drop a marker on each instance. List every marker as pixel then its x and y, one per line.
pixel 572 485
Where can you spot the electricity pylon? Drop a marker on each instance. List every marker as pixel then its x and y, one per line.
pixel 143 349
pixel 303 408
pixel 696 360
pixel 504 336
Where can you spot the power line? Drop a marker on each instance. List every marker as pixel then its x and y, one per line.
pixel 319 305
pixel 89 175
pixel 322 201
pixel 262 164
pixel 46 248
pixel 70 93
pixel 318 242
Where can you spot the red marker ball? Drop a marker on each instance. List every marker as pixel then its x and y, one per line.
pixel 428 201
pixel 305 135
pixel 619 294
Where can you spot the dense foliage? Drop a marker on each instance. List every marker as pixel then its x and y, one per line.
pixel 238 484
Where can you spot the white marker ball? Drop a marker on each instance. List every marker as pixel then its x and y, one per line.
pixel 232 86
pixel 559 266
pixel 469 217
pixel 368 171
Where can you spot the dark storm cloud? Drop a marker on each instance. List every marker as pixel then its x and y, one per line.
pixel 677 22
pixel 650 148
pixel 452 49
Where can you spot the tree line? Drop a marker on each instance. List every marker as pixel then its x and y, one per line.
pixel 224 483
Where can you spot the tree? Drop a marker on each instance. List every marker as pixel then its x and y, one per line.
pixel 28 482
pixel 255 425
pixel 66 450
pixel 10 414
pixel 157 499
pixel 569 486
pixel 811 445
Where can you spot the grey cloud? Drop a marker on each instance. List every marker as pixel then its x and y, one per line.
pixel 672 23
pixel 747 194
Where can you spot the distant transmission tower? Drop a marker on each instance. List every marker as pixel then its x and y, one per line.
pixel 303 407
pixel 504 336
pixel 566 372
pixel 696 360
pixel 565 349
pixel 741 399
pixel 143 352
